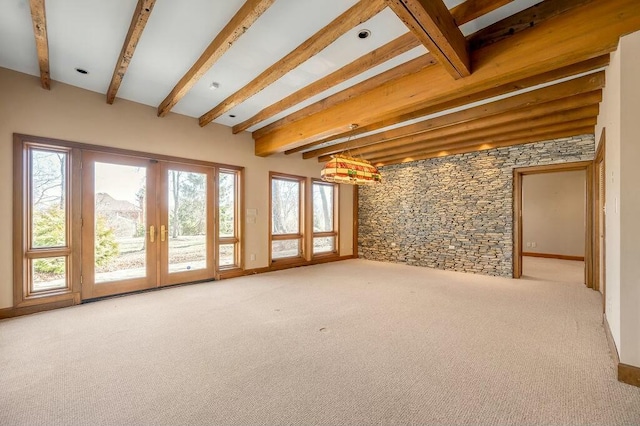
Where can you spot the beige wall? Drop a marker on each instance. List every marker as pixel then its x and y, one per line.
pixel 553 213
pixel 620 115
pixel 78 115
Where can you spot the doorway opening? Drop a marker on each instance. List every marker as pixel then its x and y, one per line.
pixel 553 222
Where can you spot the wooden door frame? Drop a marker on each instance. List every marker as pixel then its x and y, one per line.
pixel 211 259
pixel 89 288
pixel 518 175
pixel 597 248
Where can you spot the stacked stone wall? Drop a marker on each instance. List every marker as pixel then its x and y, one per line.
pixel 454 212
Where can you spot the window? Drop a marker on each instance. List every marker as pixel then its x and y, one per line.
pixel 325 235
pixel 43 266
pixel 228 235
pixel 287 212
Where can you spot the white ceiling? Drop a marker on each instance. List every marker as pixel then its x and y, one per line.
pixel 89 34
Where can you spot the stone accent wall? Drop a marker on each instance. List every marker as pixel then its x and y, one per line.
pixel 454 212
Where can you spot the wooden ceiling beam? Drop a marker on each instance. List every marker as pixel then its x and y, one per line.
pixel 531 124
pixel 391 119
pixel 472 9
pixel 558 107
pixel 521 21
pixel 491 143
pixel 359 13
pixel 394 73
pixel 431 22
pixel 39 20
pixel 561 92
pixel 138 22
pixel 250 11
pixel 595 30
pixel 491 138
pixel 394 48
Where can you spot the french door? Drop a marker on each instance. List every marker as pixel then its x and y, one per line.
pixel 146 223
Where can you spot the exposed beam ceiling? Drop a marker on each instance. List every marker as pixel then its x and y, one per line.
pixel 523 71
pixel 374 58
pixel 432 23
pixel 555 92
pixel 39 19
pixel 138 22
pixel 242 20
pixel 361 12
pixel 391 119
pixel 495 142
pixel 545 122
pixel 595 29
pixel 395 73
pixel 467 131
pixel 500 30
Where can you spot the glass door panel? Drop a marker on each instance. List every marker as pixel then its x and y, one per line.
pixel 118 224
pixel 186 228
pixel 187 233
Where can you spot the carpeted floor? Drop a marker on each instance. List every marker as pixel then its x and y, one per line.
pixel 539 268
pixel 348 343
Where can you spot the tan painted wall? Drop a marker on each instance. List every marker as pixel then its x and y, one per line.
pixel 620 115
pixel 630 200
pixel 78 115
pixel 553 213
pixel 609 118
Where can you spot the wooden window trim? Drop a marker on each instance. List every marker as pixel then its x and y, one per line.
pixel 39 140
pixel 302 201
pixel 23 252
pixel 336 220
pixel 238 217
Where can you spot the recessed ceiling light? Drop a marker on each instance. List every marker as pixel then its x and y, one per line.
pixel 214 86
pixel 82 71
pixel 364 34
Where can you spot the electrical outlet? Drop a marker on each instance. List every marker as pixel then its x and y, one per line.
pixel 252 256
pixel 533 244
pixel 528 244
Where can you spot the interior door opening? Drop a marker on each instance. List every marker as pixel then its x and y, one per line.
pixel 554 203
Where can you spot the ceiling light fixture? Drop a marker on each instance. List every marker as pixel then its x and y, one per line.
pixel 214 86
pixel 362 34
pixel 344 168
pixel 232 115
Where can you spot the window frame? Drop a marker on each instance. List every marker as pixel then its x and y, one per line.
pixel 23 251
pixel 236 239
pixel 301 235
pixel 335 233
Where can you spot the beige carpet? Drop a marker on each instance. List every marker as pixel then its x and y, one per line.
pixel 539 268
pixel 349 343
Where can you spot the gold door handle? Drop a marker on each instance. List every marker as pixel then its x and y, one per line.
pixel 163 233
pixel 152 234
